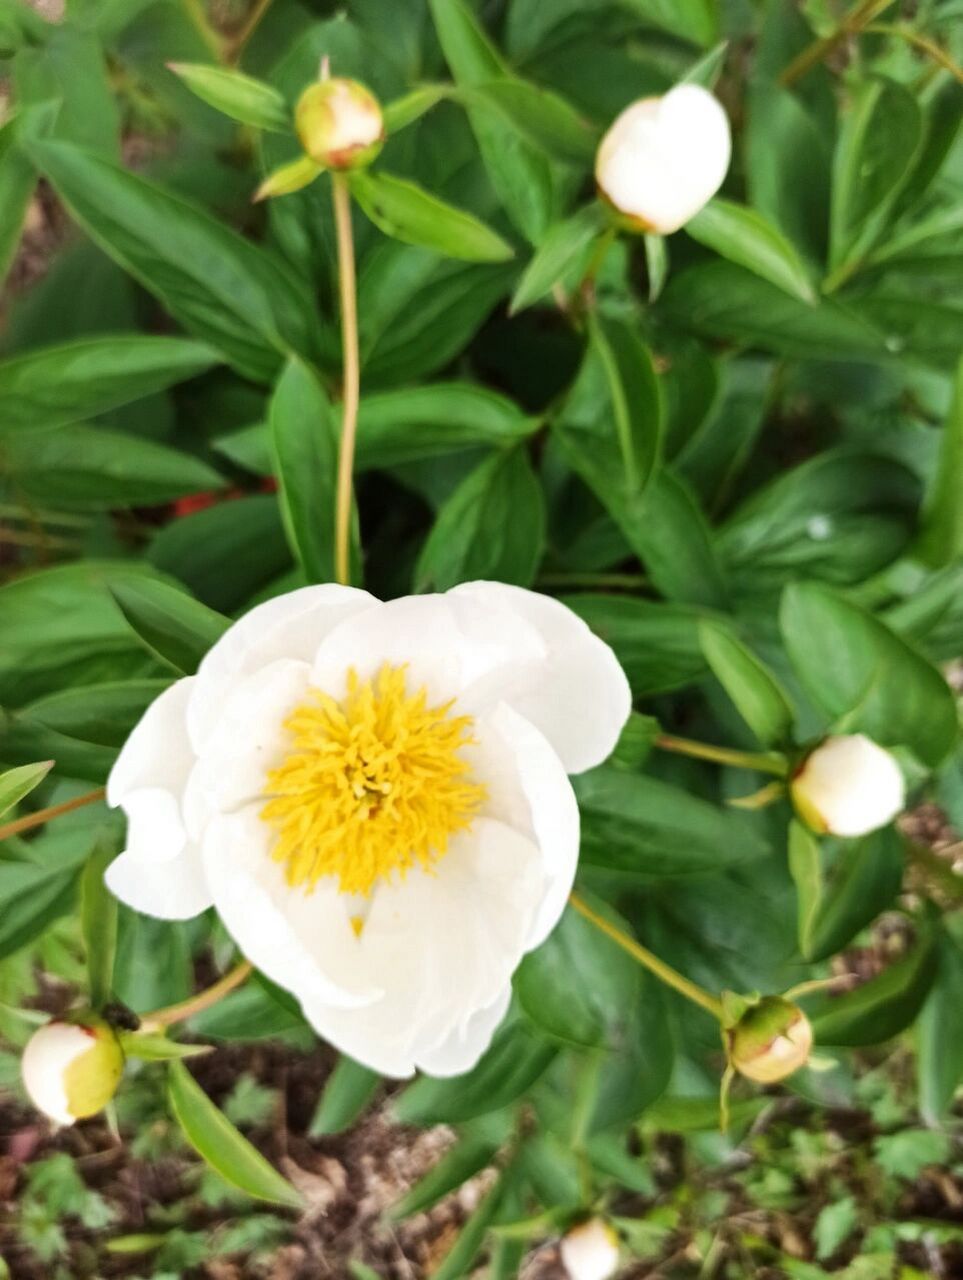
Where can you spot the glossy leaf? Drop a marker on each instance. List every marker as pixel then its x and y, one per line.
pixel 19 782
pixel 747 238
pixel 172 625
pixel 757 695
pixel 217 1141
pixel 565 246
pixel 941 536
pixel 346 1093
pixel 403 111
pixel 405 211
pixel 940 1034
pixel 864 676
pixel 98 923
pixel 540 115
pixel 492 526
pixel 657 645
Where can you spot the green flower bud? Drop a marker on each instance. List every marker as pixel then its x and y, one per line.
pixel 71 1067
pixel 340 124
pixel 770 1041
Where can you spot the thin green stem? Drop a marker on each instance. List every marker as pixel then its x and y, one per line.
pixel 351 382
pixel 923 43
pixel 664 972
pixel 42 816
pixel 172 1013
pixel 198 17
pixel 858 17
pixel 762 761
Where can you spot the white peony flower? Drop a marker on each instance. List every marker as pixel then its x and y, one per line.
pixel 590 1251
pixel 71 1069
pixel 664 158
pixel 848 786
pixel 374 797
pixel 339 123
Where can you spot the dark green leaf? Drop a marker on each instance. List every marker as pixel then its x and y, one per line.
pixel 940 1034
pixel 541 116
pixel 564 248
pixel 404 211
pixel 941 536
pixel 468 1157
pixel 226 1150
pixel 172 625
pixel 757 695
pixel 745 237
pixel 304 432
pixel 492 526
pixel 656 644
pixel 98 923
pixel 347 1091
pixel 34 894
pixel 865 677
pixel 460 1258
pixel 17 183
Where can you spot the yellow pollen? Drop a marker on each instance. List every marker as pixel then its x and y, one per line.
pixel 373 785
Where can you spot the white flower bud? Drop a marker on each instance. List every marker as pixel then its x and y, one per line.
pixel 339 123
pixel 664 158
pixel 771 1040
pixel 590 1251
pixel 71 1069
pixel 848 786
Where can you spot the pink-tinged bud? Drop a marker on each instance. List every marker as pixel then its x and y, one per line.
pixel 770 1041
pixel 340 124
pixel 664 158
pixel 590 1251
pixel 848 786
pixel 71 1069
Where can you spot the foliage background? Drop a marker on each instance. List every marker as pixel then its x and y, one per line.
pixel 783 488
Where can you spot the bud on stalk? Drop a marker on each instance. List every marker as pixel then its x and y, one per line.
pixel 590 1251
pixel 664 158
pixel 339 123
pixel 71 1067
pixel 847 786
pixel 770 1041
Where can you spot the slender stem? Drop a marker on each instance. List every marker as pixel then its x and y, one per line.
pixel 195 12
pixel 37 819
pixel 351 387
pixel 923 43
pixel 858 17
pixel 763 761
pixel 203 1000
pixel 664 972
pixel 251 24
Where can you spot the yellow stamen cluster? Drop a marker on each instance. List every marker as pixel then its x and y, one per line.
pixel 374 784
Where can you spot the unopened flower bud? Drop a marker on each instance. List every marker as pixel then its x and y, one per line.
pixel 848 786
pixel 664 158
pixel 340 124
pixel 590 1251
pixel 771 1040
pixel 71 1068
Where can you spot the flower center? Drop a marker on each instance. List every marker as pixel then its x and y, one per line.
pixel 373 784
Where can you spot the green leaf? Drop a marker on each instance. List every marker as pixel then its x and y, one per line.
pixel 541 116
pixel 941 536
pixel 578 987
pixel 835 1224
pixel 403 111
pixel 459 1260
pixel 217 1141
pixel 220 286
pixel 86 468
pixel 466 1158
pixel 519 172
pixel 940 1034
pixel 877 144
pixel 17 783
pixel 98 923
pixel 563 249
pixel 634 399
pixel 492 526
pixel 304 434
pixel 405 211
pixel 412 423
pixel 170 624
pixel 882 1007
pixel 288 178
pixel 62 384
pixel 32 895
pixel 514 1061
pixel 17 183
pixel 643 827
pixel 757 695
pixel 347 1091
pixel 865 879
pixel 657 645
pixel 156 1047
pixel 865 677
pixel 242 97
pixel 747 238
pixel 246 1015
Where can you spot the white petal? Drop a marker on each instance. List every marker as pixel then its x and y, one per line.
pixel 158 753
pixel 49 1054
pixel 528 787
pixel 302 941
pixel 443 947
pixel 448 645
pixel 462 1049
pixel 575 693
pixel 849 786
pixel 289 626
pixel 664 158
pixel 175 889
